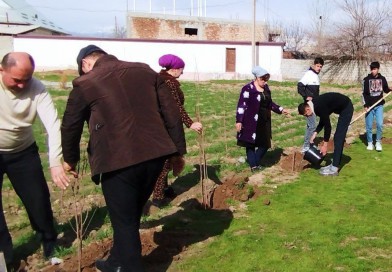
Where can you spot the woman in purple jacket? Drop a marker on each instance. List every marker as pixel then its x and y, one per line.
pixel 253 119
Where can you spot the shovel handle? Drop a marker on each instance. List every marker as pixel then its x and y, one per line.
pixel 370 108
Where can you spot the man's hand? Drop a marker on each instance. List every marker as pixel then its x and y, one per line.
pixel 285 112
pixel 59 177
pixel 238 127
pixel 309 98
pixel 70 168
pixel 311 140
pixel 197 126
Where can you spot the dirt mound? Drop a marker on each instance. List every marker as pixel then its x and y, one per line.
pixel 235 188
pixel 294 162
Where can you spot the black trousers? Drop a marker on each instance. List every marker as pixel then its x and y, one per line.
pixel 126 191
pixel 340 133
pixel 25 172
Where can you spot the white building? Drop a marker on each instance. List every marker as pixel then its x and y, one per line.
pixel 204 60
pixel 17 17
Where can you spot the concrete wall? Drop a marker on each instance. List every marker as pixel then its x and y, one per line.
pixel 6 45
pixel 204 60
pixel 293 70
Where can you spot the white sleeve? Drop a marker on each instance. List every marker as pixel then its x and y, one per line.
pixel 48 115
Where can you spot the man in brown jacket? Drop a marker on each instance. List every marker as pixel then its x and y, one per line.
pixel 134 125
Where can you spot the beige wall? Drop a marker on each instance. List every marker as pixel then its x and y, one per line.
pixel 293 70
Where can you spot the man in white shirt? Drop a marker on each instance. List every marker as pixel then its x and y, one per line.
pixel 22 97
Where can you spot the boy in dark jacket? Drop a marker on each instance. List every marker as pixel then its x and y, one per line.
pixel 323 106
pixel 309 88
pixel 374 85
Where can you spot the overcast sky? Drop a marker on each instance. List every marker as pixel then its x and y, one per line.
pixel 93 16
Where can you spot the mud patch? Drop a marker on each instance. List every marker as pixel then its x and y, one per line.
pixel 293 162
pixel 387 140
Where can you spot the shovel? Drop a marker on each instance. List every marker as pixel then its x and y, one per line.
pixel 370 108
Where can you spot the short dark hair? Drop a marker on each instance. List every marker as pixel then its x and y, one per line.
pixel 318 60
pixel 9 61
pixel 374 64
pixel 302 107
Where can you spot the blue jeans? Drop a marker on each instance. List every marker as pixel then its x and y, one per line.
pixel 311 123
pixel 376 113
pixel 254 155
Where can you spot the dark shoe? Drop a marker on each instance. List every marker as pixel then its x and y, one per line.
pixel 48 248
pixel 104 266
pixel 159 203
pixel 169 192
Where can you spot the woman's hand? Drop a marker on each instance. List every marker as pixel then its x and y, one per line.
pixel 197 126
pixel 238 127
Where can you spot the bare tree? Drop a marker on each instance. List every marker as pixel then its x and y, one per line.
pixel 320 11
pixel 363 35
pixel 295 37
pixel 119 32
pixel 273 31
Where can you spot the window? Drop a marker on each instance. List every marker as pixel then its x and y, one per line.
pixel 272 37
pixel 190 31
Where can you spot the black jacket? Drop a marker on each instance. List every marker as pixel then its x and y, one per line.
pixel 324 106
pixel 373 89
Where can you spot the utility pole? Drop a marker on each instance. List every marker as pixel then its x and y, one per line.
pixel 115 27
pixel 254 35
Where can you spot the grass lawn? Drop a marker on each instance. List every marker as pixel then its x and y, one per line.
pixel 313 224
